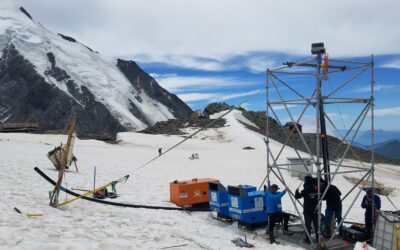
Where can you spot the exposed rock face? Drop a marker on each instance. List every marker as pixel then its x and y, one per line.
pixel 173 127
pixel 26 96
pixel 141 81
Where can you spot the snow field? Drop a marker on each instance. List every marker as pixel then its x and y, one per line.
pixel 86 225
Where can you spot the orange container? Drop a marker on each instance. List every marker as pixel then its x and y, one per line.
pixel 187 193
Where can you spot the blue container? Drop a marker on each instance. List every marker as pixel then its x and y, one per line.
pixel 247 206
pixel 218 199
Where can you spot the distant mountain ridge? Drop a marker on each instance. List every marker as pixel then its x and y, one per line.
pixel 380 136
pixel 389 149
pixel 52 78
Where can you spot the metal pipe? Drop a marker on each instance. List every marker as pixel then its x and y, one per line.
pixel 288 136
pixel 347 166
pixel 281 179
pixel 294 123
pixel 347 61
pixel 287 86
pixel 286 66
pixel 352 126
pixel 344 102
pixel 346 98
pixel 348 69
pixel 358 183
pixel 341 160
pixel 343 68
pixel 372 138
pixel 343 139
pixel 94 177
pixel 267 129
pixel 305 172
pixel 294 73
pixel 293 100
pixel 293 103
pixel 317 141
pixel 347 212
pixel 287 140
pixel 349 80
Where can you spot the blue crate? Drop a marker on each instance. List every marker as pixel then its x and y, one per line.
pixel 247 205
pixel 218 199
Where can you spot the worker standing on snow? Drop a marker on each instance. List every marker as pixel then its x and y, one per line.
pixel 310 196
pixel 275 214
pixel 367 204
pixel 333 206
pixel 160 151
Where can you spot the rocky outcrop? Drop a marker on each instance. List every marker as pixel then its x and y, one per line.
pixel 142 81
pixel 174 127
pixel 336 148
pixel 215 107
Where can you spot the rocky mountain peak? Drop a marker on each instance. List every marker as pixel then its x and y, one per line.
pixel 51 78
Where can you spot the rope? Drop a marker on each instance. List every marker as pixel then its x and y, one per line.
pixel 201 129
pixel 169 149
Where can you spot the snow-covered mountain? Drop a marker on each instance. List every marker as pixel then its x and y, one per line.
pixel 50 78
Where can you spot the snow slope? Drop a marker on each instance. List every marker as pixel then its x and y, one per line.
pixel 85 225
pixel 88 68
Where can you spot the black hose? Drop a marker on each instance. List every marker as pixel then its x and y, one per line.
pixel 191 209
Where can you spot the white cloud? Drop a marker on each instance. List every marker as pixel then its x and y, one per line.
pixel 254 63
pixel 197 63
pixel 393 64
pixel 236 95
pixel 176 83
pixel 260 64
pixel 215 29
pixel 336 116
pixel 189 97
pixel 216 97
pixel 282 107
pixel 387 111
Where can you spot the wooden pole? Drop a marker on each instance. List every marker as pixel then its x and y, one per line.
pixel 64 157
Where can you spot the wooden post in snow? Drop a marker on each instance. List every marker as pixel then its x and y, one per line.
pixel 64 158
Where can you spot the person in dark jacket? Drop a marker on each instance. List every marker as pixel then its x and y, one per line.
pixel 274 211
pixel 367 205
pixel 333 206
pixel 310 196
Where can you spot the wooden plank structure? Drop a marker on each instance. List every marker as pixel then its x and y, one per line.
pixel 18 127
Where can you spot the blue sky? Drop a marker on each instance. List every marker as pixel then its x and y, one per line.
pixel 207 51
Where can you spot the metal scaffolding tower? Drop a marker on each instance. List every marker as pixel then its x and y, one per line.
pixel 319 68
